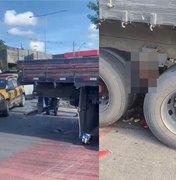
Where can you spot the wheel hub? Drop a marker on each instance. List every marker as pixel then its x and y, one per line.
pixel 168 112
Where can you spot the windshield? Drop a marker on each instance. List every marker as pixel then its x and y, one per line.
pixel 2 83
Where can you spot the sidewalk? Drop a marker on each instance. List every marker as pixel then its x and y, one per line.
pixel 31 107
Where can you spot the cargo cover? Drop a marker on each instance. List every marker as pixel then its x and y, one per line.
pixel 153 12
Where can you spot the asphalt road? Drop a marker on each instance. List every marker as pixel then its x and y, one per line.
pixel 34 147
pixel 130 152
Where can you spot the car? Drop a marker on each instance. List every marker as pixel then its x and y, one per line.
pixel 11 93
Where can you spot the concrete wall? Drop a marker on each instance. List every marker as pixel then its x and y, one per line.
pixel 15 54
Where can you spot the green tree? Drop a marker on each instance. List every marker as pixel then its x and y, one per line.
pixel 95 17
pixel 2 45
pixel 3 56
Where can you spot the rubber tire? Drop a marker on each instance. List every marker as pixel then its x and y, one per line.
pixel 152 108
pixel 112 72
pixel 6 112
pixel 22 103
pixel 116 53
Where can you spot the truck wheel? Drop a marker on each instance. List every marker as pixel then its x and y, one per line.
pixel 23 101
pixel 6 111
pixel 160 109
pixel 112 90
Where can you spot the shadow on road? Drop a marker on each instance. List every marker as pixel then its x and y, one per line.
pixel 136 131
pixel 60 128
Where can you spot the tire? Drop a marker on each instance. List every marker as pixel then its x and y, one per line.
pixel 23 101
pixel 6 112
pixel 159 109
pixel 112 72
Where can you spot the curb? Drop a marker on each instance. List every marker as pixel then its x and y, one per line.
pixel 35 111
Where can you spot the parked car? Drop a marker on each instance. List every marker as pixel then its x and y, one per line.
pixel 11 93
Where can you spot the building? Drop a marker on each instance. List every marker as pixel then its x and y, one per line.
pixel 8 59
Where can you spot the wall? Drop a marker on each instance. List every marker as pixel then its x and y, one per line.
pixel 15 54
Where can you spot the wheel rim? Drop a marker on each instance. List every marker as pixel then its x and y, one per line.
pixel 168 112
pixel 104 95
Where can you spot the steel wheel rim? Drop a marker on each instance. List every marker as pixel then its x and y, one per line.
pixel 168 112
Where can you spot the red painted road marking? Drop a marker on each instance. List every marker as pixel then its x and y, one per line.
pixel 101 136
pixel 52 160
pixel 104 153
pixel 104 131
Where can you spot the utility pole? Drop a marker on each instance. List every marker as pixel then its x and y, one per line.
pixel 45 34
pixel 74 44
pixel 80 48
pixel 77 52
pixel 45 31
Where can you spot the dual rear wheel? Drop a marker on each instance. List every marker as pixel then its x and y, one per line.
pixel 160 108
pixel 159 104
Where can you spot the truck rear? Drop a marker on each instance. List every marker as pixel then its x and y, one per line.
pixel 73 78
pixel 137 56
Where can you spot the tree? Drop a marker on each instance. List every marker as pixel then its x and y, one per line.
pixel 3 55
pixel 2 45
pixel 95 17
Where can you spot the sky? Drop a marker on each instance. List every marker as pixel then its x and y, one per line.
pixel 56 23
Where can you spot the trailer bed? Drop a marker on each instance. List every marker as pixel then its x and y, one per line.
pixel 80 71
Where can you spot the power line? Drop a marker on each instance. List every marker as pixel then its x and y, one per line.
pixel 36 39
pixel 47 14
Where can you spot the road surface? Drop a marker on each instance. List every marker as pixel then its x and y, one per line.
pixel 130 152
pixel 39 147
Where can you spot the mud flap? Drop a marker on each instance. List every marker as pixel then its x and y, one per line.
pixel 88 111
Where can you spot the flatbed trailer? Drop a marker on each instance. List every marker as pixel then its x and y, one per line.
pixel 74 79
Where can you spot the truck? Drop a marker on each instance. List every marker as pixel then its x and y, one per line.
pixel 72 77
pixel 138 56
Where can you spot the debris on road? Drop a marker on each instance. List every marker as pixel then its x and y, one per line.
pixel 58 131
pixel 128 120
pixel 137 120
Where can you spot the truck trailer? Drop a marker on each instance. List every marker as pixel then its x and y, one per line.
pixel 138 56
pixel 72 78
